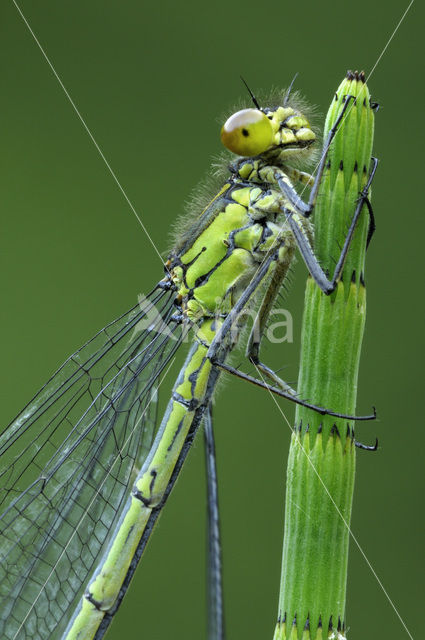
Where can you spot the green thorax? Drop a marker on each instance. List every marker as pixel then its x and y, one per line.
pixel 214 261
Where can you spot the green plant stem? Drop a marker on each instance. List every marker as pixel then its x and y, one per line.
pixel 321 465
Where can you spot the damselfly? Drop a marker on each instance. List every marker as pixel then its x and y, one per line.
pixel 85 470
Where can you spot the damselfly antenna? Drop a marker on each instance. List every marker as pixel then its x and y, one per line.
pixel 253 98
pixel 285 101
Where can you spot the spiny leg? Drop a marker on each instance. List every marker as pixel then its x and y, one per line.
pixel 308 180
pixel 215 585
pixel 280 270
pixel 254 344
pixel 232 319
pixel 254 341
pixel 306 250
pixel 283 394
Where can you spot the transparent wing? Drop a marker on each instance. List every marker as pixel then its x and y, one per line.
pixel 67 460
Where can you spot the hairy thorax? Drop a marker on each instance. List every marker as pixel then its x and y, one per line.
pixel 211 267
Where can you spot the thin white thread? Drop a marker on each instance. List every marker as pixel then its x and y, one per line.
pixel 391 37
pixel 89 132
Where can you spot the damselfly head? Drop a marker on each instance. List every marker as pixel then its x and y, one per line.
pixel 281 131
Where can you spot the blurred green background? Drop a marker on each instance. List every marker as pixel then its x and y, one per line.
pixel 151 80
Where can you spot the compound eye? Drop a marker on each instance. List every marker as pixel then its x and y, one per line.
pixel 247 133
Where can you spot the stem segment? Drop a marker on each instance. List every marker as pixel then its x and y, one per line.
pixel 321 465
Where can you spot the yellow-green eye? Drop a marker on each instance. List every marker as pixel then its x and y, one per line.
pixel 247 132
